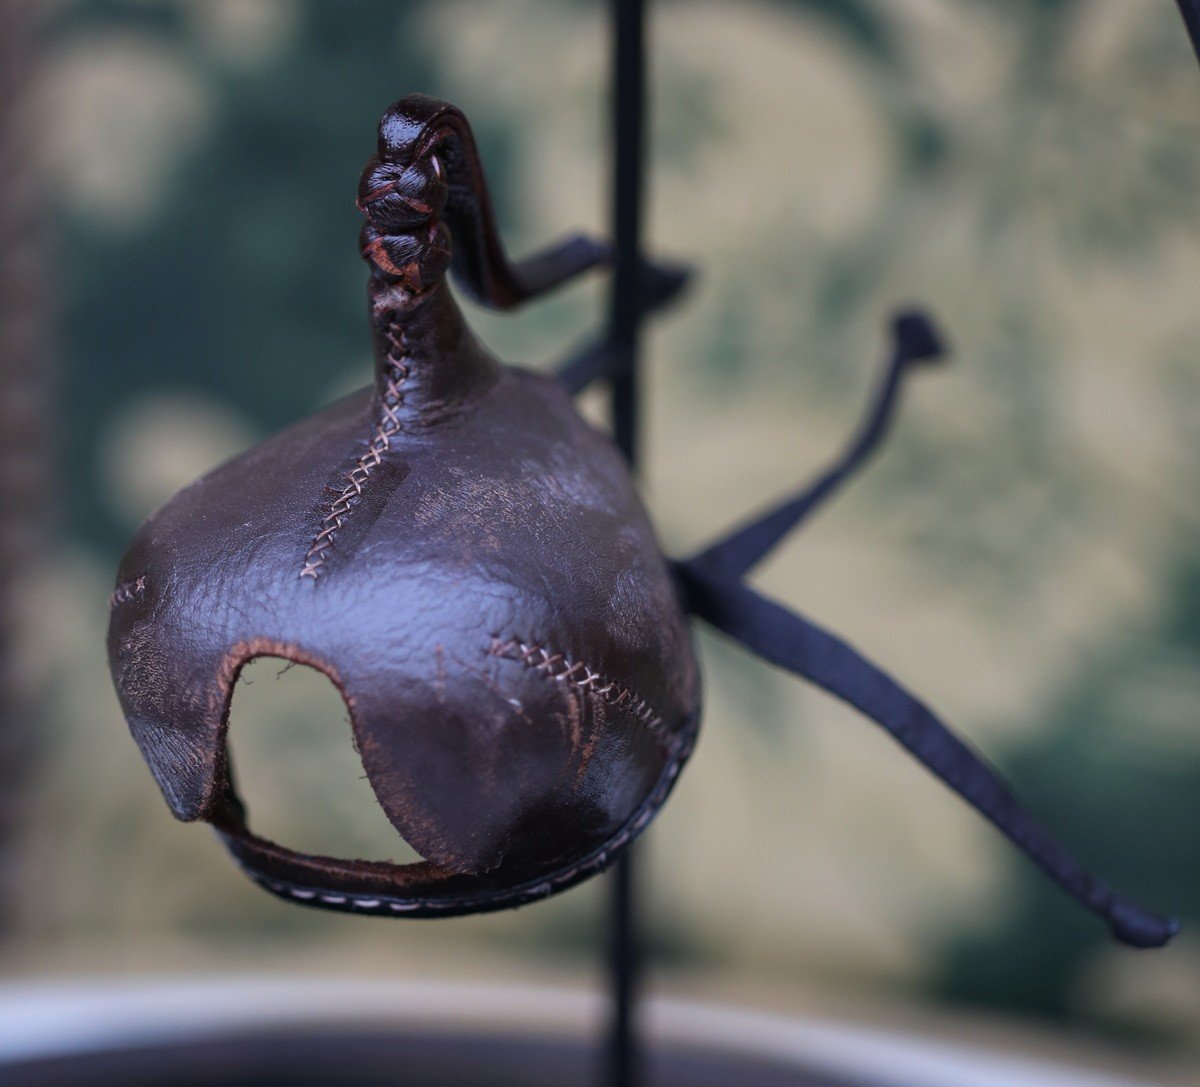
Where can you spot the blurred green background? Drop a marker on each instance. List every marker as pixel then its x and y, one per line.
pixel 1024 554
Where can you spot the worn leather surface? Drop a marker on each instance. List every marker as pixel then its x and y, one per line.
pixel 461 554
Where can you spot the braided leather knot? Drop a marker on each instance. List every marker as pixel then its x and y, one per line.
pixel 423 190
pixel 404 239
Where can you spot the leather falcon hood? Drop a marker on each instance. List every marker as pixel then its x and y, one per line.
pixel 458 551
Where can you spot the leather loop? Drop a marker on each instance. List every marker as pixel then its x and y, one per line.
pixel 427 171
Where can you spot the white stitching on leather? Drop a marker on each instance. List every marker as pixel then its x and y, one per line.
pixel 540 659
pixel 386 428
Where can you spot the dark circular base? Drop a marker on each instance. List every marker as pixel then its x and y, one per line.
pixel 324 1058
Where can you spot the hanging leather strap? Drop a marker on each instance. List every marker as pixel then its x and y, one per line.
pixel 802 647
pixel 915 340
pixel 1190 10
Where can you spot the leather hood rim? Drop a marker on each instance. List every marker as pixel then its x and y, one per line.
pixel 354 886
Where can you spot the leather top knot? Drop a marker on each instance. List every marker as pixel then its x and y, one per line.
pixel 403 193
pixel 424 188
pixel 404 239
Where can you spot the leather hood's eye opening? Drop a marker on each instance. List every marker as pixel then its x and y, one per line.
pixel 296 770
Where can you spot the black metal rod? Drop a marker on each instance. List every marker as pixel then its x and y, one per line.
pixel 628 132
pixel 628 136
pixel 623 1056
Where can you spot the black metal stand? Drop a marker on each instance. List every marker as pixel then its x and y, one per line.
pixel 625 318
pixel 625 969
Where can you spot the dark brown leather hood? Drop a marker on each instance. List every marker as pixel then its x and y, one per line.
pixel 468 562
